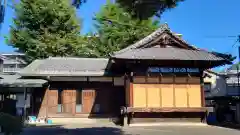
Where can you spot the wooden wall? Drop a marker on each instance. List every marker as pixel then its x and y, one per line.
pixel 97 94
pixel 166 91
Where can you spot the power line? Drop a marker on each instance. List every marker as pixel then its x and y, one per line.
pixel 226 36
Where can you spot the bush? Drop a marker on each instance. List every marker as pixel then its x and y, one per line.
pixel 11 125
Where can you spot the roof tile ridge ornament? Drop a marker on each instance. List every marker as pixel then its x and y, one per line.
pixel 149 38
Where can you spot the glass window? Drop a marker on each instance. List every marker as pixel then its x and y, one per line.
pixel 59 109
pixel 207 86
pixel 9 66
pixel 79 101
pixel 21 65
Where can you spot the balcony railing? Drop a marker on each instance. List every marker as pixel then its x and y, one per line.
pixel 11 70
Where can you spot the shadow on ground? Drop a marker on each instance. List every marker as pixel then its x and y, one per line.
pixel 61 130
pixel 226 125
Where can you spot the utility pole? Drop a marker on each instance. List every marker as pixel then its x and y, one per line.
pixel 238 68
pixel 3 4
pixel 238 104
pixel 238 63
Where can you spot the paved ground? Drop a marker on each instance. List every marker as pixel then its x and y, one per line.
pixel 91 129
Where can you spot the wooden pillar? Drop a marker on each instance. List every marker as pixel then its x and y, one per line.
pixel 131 91
pixel 202 89
pixel 174 91
pixel 25 104
pixel 204 115
pixel 47 105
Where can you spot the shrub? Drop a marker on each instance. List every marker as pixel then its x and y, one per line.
pixel 11 125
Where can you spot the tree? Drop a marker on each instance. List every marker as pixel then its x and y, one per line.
pixel 116 29
pixel 142 9
pixel 44 28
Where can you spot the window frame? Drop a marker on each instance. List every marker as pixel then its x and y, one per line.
pixel 210 86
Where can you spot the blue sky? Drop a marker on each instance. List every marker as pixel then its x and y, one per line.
pixel 203 23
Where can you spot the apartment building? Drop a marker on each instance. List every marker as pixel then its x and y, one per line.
pixel 12 62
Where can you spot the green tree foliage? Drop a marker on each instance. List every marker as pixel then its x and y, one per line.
pixel 44 28
pixel 116 29
pixel 142 9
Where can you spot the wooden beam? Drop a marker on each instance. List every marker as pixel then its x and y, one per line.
pixel 166 109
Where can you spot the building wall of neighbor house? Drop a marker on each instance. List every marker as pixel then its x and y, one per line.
pixel 215 85
pixel 13 62
pixel 232 86
pixel 1 65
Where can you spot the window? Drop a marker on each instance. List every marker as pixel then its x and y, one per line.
pixel 59 109
pixel 12 96
pixel 9 66
pixel 79 101
pixel 1 97
pixel 21 66
pixel 207 87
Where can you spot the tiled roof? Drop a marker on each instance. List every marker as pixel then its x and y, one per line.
pixel 66 66
pixel 2 57
pixel 167 54
pixel 8 60
pixel 13 61
pixel 8 76
pixel 163 28
pixel 11 53
pixel 7 80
